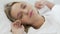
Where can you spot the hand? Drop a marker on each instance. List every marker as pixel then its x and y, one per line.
pixel 17 28
pixel 40 4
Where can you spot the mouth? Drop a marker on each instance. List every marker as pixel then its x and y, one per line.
pixel 31 13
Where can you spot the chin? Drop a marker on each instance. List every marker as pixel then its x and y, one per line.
pixel 35 27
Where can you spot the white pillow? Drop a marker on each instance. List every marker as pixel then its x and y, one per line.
pixel 5 23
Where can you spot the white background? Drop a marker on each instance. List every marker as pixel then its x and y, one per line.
pixel 3 2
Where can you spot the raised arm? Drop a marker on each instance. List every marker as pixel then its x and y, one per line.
pixel 41 3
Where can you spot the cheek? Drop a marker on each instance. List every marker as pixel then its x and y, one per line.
pixel 25 19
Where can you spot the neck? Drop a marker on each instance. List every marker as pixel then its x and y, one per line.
pixel 37 24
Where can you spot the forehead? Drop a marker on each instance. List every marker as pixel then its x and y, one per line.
pixel 15 9
pixel 17 6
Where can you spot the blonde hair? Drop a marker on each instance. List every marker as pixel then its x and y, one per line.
pixel 8 10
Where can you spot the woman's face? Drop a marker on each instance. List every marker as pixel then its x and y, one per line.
pixel 24 12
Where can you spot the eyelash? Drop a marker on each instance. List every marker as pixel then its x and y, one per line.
pixel 20 17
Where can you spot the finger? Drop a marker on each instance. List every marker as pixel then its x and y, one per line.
pixel 16 24
pixel 38 5
pixel 22 27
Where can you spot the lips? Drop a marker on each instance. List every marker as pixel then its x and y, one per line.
pixel 31 12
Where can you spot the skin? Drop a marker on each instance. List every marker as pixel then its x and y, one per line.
pixel 35 20
pixel 40 4
pixel 26 19
pixel 17 28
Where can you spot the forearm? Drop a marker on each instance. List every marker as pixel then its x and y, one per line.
pixel 19 33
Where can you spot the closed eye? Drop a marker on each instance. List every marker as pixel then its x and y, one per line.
pixel 23 6
pixel 19 15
